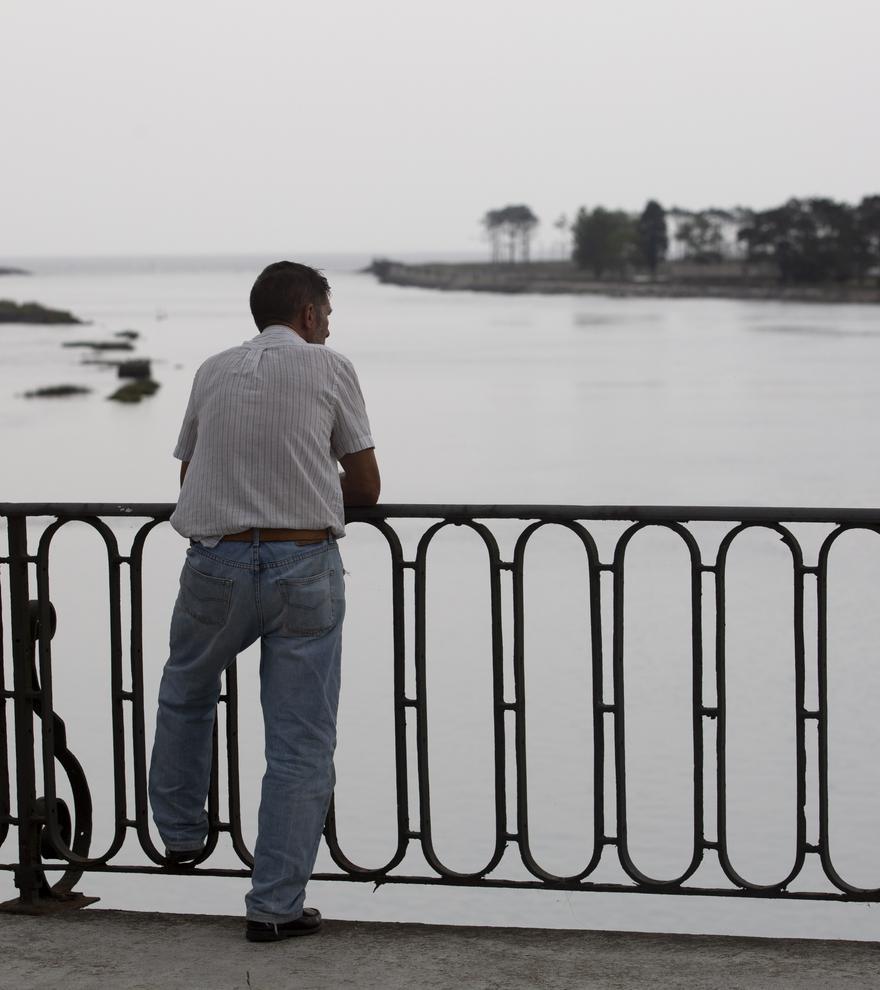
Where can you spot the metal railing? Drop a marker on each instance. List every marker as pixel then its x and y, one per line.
pixel 45 828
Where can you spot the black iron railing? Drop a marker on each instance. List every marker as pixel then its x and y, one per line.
pixel 42 826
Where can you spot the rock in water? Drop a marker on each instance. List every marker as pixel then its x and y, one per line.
pixel 101 345
pixel 56 391
pixel 135 391
pixel 31 312
pixel 138 368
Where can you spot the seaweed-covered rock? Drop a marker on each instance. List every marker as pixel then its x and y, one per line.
pixel 101 345
pixel 135 391
pixel 31 312
pixel 56 391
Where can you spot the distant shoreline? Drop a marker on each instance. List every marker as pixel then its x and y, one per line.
pixel 730 280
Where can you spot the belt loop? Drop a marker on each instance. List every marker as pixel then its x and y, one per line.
pixel 256 537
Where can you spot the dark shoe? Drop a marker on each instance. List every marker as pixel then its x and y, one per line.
pixel 307 923
pixel 183 857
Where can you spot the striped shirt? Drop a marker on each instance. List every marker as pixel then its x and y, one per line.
pixel 265 426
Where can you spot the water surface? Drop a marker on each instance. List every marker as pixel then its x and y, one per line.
pixel 497 399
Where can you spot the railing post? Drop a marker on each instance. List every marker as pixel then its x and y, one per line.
pixel 29 878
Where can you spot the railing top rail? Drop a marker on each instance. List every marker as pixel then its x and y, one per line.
pixel 549 513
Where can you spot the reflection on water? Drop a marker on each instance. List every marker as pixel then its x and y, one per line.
pixel 817 331
pixel 616 319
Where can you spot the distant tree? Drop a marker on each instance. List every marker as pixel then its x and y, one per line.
pixel 509 231
pixel 701 236
pixel 562 225
pixel 492 222
pixel 867 222
pixel 521 222
pixel 651 237
pixel 513 225
pixel 771 236
pixel 836 236
pixel 810 240
pixel 603 240
pixel 740 217
pixel 763 233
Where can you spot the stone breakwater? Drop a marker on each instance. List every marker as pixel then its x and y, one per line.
pixel 677 281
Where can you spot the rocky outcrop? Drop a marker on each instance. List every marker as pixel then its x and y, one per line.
pixel 31 312
pixel 135 391
pixel 137 368
pixel 56 391
pixel 101 345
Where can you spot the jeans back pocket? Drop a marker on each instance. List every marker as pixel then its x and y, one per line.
pixel 308 604
pixel 204 597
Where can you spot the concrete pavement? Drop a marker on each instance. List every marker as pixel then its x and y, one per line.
pixel 122 950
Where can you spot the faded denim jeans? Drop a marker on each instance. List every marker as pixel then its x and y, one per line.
pixel 292 598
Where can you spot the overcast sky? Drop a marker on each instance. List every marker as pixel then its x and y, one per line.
pixel 393 125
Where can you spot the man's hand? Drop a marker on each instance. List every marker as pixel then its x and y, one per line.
pixel 360 478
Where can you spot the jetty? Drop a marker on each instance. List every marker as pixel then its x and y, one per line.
pixel 675 280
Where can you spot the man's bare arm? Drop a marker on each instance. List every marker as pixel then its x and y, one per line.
pixel 360 478
pixel 183 466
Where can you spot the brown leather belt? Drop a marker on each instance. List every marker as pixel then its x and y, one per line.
pixel 270 535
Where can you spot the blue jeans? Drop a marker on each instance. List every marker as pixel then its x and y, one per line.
pixel 292 598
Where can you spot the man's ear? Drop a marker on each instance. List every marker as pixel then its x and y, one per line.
pixel 309 315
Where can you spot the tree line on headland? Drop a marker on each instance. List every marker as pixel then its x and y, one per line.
pixel 809 241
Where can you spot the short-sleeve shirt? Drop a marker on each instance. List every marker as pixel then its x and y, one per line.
pixel 263 431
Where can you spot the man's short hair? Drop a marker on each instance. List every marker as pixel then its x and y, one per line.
pixel 283 289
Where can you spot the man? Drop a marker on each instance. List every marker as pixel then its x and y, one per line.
pixel 261 501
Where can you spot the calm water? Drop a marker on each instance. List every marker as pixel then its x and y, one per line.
pixel 476 398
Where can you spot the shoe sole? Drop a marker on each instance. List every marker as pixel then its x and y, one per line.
pixel 280 936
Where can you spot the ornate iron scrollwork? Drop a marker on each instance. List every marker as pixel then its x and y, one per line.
pixel 75 830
